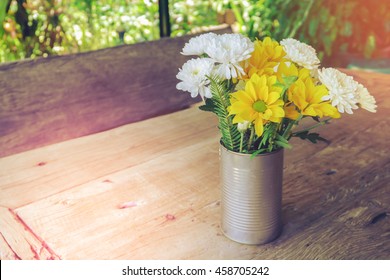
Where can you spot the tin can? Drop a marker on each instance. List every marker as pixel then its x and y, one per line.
pixel 251 196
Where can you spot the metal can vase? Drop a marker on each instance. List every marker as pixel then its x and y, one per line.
pixel 251 196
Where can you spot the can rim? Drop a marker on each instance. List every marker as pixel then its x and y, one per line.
pixel 249 155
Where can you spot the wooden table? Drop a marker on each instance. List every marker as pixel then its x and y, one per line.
pixel 150 190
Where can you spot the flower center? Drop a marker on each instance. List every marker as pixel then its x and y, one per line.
pixel 259 106
pixel 195 72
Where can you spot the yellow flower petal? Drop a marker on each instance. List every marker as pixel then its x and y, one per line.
pixel 277 111
pixel 238 119
pixel 266 55
pixel 291 112
pixel 238 107
pixel 278 102
pixel 259 128
pixel 242 96
pixel 255 79
pixel 267 114
pixel 250 90
pixel 259 103
pixel 272 97
pixel 309 111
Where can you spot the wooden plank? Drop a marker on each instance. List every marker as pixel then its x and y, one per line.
pixel 18 242
pixel 64 165
pixel 49 100
pixel 174 211
pixel 6 252
pixel 161 201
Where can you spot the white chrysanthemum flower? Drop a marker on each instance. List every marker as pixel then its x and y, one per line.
pixel 300 53
pixel 365 99
pixel 228 50
pixel 193 76
pixel 342 89
pixel 242 127
pixel 197 45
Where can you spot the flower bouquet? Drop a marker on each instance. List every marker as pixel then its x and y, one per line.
pixel 260 91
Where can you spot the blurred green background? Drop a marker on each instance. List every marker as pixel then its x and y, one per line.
pixel 344 32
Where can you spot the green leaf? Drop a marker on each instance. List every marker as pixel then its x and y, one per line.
pixel 266 140
pixel 347 29
pixel 208 106
pixel 313 25
pixel 3 7
pixel 282 142
pixel 230 136
pixel 370 46
pixel 279 84
pixel 317 119
pixel 258 152
pixel 312 137
pixel 289 80
pixel 237 13
pixel 327 44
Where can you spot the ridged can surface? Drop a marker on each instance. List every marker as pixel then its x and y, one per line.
pixel 251 196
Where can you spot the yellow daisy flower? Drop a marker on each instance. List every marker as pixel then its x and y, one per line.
pixel 259 103
pixel 307 98
pixel 265 57
pixel 285 70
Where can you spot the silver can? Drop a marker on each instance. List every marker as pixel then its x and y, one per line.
pixel 251 196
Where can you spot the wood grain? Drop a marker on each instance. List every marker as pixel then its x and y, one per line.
pixel 18 242
pixel 81 160
pixel 150 190
pixel 49 100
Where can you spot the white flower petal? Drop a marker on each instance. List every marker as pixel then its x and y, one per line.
pixel 197 45
pixel 193 76
pixel 300 53
pixel 342 89
pixel 365 99
pixel 242 127
pixel 229 50
pixel 180 86
pixel 207 93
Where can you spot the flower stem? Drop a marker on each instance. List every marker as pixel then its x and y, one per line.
pixel 312 127
pixel 251 138
pixel 289 127
pixel 241 141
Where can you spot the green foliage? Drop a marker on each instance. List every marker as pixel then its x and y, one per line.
pixel 50 27
pixel 230 136
pixel 46 27
pixel 335 27
pixel 330 26
pixel 32 28
pixel 282 142
pixel 272 138
pixel 3 7
pixel 209 105
pixel 188 16
pixel 312 137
